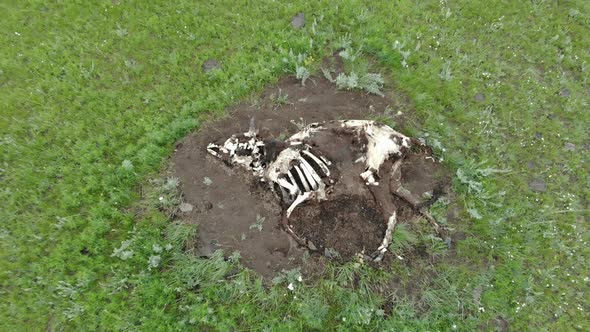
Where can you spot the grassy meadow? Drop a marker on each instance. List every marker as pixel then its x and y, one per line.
pixel 94 95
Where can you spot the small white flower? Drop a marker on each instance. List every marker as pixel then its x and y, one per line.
pixel 161 198
pixel 291 287
pixel 300 279
pixel 481 309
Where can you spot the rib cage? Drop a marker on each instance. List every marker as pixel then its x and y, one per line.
pixel 297 171
pixel 304 176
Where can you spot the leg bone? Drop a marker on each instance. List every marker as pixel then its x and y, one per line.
pixel 380 252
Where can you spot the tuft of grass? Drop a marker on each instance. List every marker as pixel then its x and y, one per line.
pixel 279 98
pixel 369 82
pixel 403 239
pixel 356 75
pixel 299 65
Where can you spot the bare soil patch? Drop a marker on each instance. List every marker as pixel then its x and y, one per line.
pixel 234 212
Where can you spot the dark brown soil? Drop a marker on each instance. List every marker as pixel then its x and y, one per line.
pixel 235 212
pixel 345 226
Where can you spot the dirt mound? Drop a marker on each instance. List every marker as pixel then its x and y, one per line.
pixel 235 212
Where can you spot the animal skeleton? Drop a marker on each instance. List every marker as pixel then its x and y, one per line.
pixel 298 171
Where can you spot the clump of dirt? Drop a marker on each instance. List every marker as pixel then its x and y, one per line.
pixel 235 212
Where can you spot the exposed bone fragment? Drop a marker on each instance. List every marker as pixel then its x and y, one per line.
pixel 285 184
pixel 302 179
pixel 300 199
pixel 320 163
pixel 313 177
pixel 392 221
pixel 292 179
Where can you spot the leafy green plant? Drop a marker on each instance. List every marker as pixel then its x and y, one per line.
pixel 258 224
pixel 369 82
pixel 279 98
pixel 314 310
pixel 299 65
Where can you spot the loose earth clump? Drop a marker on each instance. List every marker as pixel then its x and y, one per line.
pixel 235 212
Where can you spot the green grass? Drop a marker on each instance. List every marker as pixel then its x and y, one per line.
pixel 94 95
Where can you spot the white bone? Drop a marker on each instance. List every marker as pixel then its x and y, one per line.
pixel 300 199
pixel 320 163
pixel 305 133
pixel 387 238
pixel 242 160
pixel 313 177
pixel 308 178
pixel 285 184
pixel 302 178
pixel 292 178
pixel 231 145
pixel 361 159
pixel 282 163
pixel 370 178
pixel 380 144
pixel 252 143
pixel 213 152
pixel 210 149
